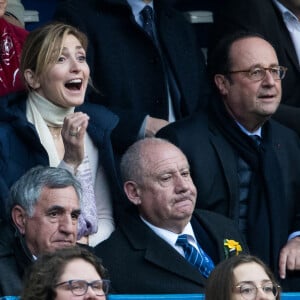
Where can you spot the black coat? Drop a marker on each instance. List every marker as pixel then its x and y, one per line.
pixel 264 18
pixel 140 262
pixel 15 259
pixel 214 169
pixel 126 66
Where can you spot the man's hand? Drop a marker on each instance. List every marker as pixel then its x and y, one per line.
pixel 153 125
pixel 289 258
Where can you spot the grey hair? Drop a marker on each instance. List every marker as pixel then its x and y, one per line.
pixel 27 189
pixel 134 160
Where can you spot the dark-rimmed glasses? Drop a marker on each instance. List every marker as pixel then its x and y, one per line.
pixel 249 290
pixel 80 287
pixel 259 73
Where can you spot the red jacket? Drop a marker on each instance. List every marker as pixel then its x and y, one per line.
pixel 12 39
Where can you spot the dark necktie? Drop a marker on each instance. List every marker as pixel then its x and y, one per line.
pixel 147 24
pixel 199 259
pixel 147 20
pixel 257 139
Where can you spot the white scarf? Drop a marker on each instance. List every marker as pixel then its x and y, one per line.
pixel 41 112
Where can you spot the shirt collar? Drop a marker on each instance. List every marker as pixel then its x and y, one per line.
pixel 170 236
pixel 256 132
pixel 285 12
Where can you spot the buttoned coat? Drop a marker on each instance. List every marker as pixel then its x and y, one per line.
pixel 214 169
pixel 141 262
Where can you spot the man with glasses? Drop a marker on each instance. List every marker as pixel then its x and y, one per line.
pixel 245 165
pixel 279 22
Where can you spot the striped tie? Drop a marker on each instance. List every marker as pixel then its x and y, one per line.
pixel 199 259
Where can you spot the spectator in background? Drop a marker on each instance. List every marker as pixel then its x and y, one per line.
pixel 245 165
pixel 156 241
pixel 50 125
pixel 45 206
pixel 60 276
pixel 12 38
pixel 15 12
pixel 242 277
pixel 279 22
pixel 150 72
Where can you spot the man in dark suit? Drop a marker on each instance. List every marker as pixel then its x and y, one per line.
pixel 244 164
pixel 143 254
pixel 45 206
pixel 146 81
pixel 275 20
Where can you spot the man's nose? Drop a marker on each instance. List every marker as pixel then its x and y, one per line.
pixel 269 79
pixel 67 224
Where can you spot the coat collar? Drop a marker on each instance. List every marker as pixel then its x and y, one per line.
pixel 155 249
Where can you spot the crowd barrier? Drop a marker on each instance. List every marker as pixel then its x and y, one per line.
pixel 284 296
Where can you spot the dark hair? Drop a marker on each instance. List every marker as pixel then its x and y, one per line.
pixel 219 60
pixel 221 280
pixel 45 272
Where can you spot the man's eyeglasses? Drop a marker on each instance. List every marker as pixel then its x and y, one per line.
pixel 249 290
pixel 259 73
pixel 80 287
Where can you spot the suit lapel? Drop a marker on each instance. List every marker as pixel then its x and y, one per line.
pixel 227 158
pixel 158 252
pixel 286 39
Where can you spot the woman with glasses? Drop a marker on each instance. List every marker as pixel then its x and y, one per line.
pixel 242 277
pixel 70 273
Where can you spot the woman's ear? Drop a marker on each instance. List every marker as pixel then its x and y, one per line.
pixel 31 79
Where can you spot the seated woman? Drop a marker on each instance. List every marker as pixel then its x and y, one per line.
pixel 51 125
pixel 60 276
pixel 243 277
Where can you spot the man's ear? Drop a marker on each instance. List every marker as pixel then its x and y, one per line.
pixel 222 84
pixel 31 79
pixel 133 192
pixel 19 216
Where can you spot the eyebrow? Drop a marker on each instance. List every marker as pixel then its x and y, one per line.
pixel 62 209
pixel 79 47
pixel 261 66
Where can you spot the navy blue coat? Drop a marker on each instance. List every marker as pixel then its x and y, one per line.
pixel 126 66
pixel 21 149
pixel 264 18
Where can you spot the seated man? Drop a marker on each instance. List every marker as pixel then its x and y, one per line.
pixel 255 184
pixel 278 21
pixel 45 206
pixel 150 251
